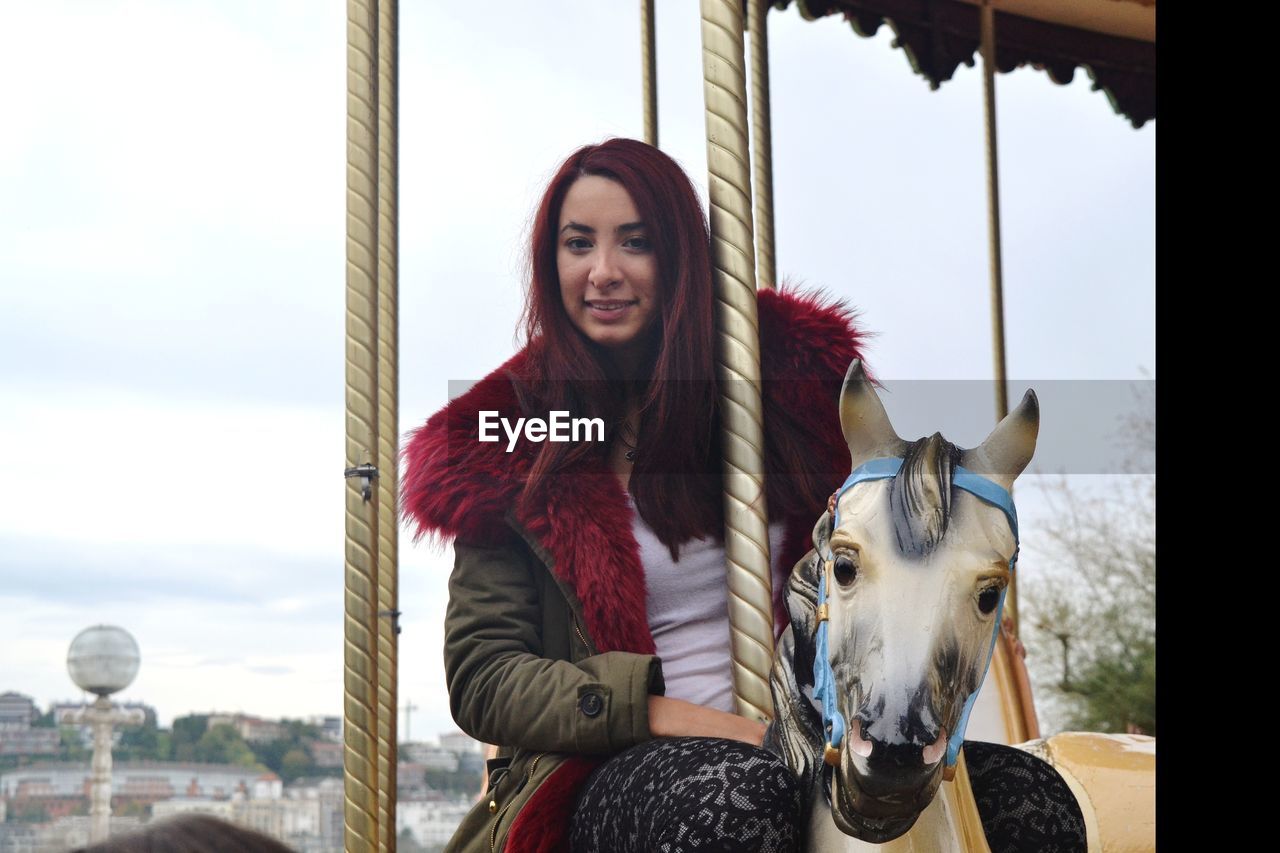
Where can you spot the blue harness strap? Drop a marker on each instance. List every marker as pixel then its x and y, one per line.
pixel 824 686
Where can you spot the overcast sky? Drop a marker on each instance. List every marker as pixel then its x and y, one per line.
pixel 172 190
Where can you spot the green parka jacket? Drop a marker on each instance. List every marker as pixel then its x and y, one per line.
pixel 547 647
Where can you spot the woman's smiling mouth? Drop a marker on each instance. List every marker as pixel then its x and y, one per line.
pixel 609 309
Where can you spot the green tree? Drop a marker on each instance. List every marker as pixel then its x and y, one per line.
pixel 71 747
pixel 222 744
pixel 186 732
pixel 1091 605
pixel 141 743
pixel 296 762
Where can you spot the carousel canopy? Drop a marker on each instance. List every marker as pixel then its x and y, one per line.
pixel 1113 40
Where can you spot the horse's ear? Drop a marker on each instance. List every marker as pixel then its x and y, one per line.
pixel 1004 453
pixel 866 427
pixel 822 535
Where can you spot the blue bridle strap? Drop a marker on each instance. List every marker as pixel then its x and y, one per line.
pixel 824 686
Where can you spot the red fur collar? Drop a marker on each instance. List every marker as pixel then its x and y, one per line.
pixel 455 486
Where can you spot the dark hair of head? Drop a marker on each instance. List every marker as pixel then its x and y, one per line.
pixel 920 494
pixel 192 833
pixel 675 482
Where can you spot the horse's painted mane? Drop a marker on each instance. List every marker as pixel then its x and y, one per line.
pixel 920 494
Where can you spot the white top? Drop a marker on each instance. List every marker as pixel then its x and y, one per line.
pixel 688 604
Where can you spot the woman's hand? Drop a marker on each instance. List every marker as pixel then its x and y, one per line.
pixel 676 718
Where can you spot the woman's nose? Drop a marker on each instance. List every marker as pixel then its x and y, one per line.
pixel 605 272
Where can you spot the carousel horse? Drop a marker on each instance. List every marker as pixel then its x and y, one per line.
pixel 894 619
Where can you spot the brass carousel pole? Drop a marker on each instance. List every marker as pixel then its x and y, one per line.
pixel 988 30
pixel 649 72
pixel 388 418
pixel 370 394
pixel 762 141
pixel 988 35
pixel 1011 671
pixel 738 359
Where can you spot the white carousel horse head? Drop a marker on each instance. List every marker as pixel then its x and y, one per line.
pixel 901 597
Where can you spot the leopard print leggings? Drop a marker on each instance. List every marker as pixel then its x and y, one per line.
pixel 676 794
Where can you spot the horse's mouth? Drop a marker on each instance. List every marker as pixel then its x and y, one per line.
pixel 877 818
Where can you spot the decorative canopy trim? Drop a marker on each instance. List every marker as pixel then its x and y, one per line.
pixel 1105 37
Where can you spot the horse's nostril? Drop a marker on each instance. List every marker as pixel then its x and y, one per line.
pixel 895 757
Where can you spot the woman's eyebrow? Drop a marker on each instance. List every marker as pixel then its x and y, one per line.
pixel 587 229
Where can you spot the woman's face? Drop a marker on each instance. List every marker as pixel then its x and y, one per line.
pixel 608 272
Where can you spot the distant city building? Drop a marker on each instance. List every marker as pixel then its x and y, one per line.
pixel 60 788
pixel 328 793
pixel 430 756
pixel 18 837
pixel 17 712
pixel 281 819
pixel 471 762
pixel 287 820
pixel 460 743
pixel 252 729
pixel 30 741
pixel 326 753
pixel 191 805
pixel 72 831
pixel 330 727
pixel 411 780
pixel 430 821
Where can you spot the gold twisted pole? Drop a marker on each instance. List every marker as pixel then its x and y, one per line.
pixel 360 641
pixel 388 419
pixel 649 73
pixel 988 45
pixel 1014 670
pixel 762 142
pixel 738 357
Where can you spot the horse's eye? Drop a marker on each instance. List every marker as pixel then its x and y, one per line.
pixel 988 599
pixel 846 569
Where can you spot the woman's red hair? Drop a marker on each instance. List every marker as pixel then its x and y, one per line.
pixel 675 482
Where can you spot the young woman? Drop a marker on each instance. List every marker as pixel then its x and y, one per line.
pixel 587 628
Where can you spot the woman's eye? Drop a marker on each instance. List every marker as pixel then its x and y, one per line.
pixel 639 244
pixel 577 244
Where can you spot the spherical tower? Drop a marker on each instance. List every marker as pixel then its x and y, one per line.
pixel 102 660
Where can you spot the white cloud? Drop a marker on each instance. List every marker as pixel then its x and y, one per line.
pixel 111 468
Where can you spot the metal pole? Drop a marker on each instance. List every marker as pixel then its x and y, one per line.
pixel 100 787
pixel 649 72
pixel 360 656
pixel 738 359
pixel 988 34
pixel 993 203
pixel 388 417
pixel 762 140
pixel 102 717
pixel 1028 723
